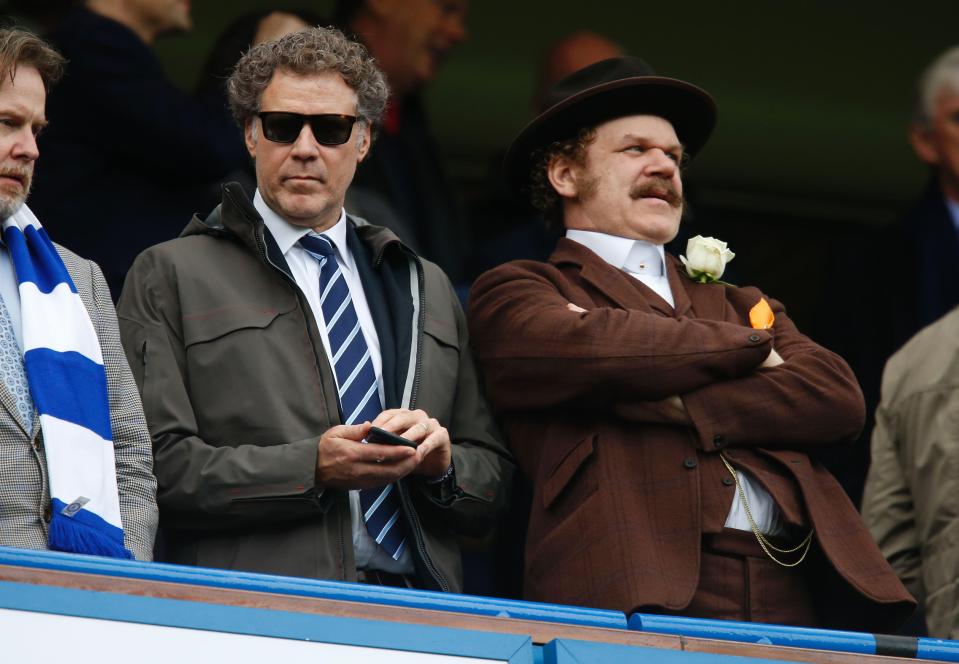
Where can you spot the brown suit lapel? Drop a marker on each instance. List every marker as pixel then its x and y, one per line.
pixel 707 301
pixel 607 282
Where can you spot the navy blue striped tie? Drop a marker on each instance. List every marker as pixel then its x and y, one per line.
pixel 359 399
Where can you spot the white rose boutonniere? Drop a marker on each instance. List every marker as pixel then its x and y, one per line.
pixel 706 259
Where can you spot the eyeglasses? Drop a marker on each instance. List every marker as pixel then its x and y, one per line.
pixel 327 128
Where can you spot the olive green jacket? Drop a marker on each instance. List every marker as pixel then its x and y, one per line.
pixel 911 500
pixel 237 391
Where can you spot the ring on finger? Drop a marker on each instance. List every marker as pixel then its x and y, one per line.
pixel 426 427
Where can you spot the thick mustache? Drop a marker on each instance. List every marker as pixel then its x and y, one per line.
pixel 663 189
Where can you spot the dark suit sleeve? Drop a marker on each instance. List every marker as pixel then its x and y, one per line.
pixel 538 354
pixel 201 485
pixel 813 398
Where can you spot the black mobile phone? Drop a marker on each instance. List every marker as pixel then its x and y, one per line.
pixel 384 437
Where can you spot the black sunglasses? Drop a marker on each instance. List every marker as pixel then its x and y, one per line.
pixel 328 128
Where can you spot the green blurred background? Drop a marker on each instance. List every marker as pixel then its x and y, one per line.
pixel 814 96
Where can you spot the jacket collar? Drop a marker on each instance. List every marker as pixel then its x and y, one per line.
pixel 235 216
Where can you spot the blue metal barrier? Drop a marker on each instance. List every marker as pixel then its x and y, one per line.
pixel 334 590
pixel 799 637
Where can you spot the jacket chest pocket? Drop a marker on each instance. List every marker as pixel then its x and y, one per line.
pixel 233 334
pixel 440 369
pixel 568 479
pixel 250 367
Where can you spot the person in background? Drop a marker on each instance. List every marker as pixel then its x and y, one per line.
pixel 909 501
pixel 129 155
pixel 75 455
pixel 928 240
pixel 410 39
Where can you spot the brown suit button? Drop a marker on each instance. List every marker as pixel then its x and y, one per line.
pixel 690 462
pixel 728 481
pixel 719 441
pixel 47 514
pixel 754 338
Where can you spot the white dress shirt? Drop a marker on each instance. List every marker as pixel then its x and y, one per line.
pixel 647 263
pixel 306 273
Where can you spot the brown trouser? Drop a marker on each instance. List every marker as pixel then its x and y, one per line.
pixel 738 581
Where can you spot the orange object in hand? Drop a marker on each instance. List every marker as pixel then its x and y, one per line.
pixel 761 315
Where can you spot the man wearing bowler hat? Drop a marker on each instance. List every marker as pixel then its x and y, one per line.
pixel 666 419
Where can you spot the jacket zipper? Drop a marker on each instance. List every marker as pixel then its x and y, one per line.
pixel 431 567
pixel 261 247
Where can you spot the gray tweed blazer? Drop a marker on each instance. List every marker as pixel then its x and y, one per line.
pixel 24 484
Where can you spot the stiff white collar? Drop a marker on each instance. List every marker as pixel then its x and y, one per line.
pixel 634 256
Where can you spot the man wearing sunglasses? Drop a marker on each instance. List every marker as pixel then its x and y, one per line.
pixel 271 335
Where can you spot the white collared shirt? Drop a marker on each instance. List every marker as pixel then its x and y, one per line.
pixel 306 273
pixel 647 262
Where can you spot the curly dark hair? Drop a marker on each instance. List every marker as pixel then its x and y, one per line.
pixel 306 52
pixel 21 47
pixel 542 196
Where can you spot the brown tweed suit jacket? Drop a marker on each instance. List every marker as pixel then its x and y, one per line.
pixel 621 498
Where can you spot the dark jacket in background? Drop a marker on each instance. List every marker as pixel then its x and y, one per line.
pixel 405 170
pixel 127 156
pixel 929 235
pixel 237 390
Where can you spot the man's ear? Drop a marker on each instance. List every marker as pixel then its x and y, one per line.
pixel 924 143
pixel 249 136
pixel 365 140
pixel 562 172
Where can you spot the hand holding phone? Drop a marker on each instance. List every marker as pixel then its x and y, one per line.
pixel 384 437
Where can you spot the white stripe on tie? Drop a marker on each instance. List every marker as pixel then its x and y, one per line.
pixel 362 404
pixel 356 372
pixel 339 312
pixel 386 528
pixel 330 284
pixel 382 497
pixel 346 343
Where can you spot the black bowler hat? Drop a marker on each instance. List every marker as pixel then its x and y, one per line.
pixel 604 91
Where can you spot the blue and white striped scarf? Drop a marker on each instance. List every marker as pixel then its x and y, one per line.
pixel 64 366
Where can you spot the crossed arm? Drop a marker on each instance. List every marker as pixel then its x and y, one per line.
pixel 735 385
